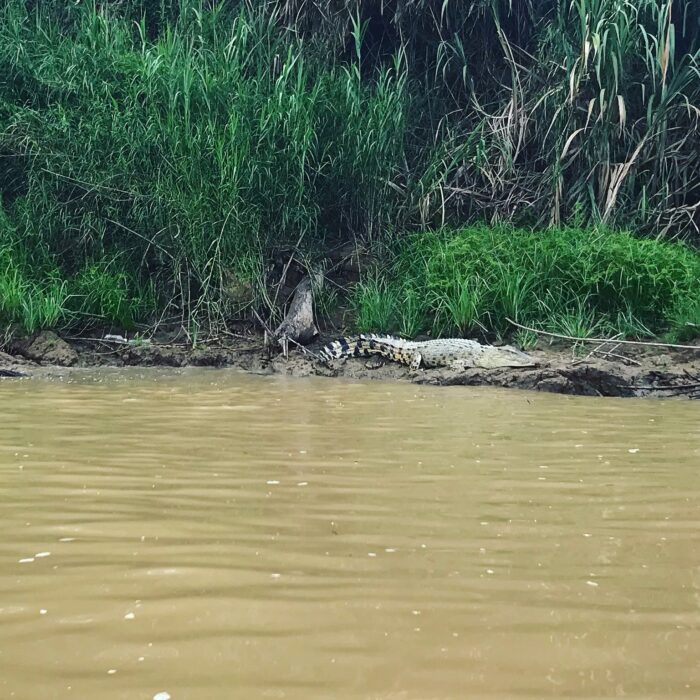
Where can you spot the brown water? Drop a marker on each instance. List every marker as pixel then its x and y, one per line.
pixel 211 535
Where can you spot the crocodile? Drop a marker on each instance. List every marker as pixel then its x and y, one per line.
pixel 455 353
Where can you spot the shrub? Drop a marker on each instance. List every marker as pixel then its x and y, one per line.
pixel 571 280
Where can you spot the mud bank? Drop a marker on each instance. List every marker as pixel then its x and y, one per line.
pixel 632 371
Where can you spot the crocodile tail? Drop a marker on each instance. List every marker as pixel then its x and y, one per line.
pixel 365 345
pixel 386 346
pixel 342 347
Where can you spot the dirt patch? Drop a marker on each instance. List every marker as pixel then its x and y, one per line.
pixel 641 372
pixel 46 348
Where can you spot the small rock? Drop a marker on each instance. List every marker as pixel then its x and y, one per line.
pixel 10 366
pixel 555 385
pixel 5 372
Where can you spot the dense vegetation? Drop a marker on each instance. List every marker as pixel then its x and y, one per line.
pixel 157 155
pixel 570 281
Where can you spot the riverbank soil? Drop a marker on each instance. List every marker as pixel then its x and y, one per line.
pixel 589 370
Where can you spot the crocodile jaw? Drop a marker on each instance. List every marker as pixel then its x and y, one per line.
pixel 505 356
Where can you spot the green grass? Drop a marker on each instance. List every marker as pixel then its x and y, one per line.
pixel 102 293
pixel 375 304
pixel 577 282
pixel 29 304
pixel 156 157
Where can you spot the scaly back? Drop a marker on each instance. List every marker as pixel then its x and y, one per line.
pixel 394 349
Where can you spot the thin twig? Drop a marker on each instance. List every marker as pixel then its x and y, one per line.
pixel 152 241
pixel 286 269
pixel 664 387
pixel 604 340
pixel 619 357
pixel 262 323
pixel 306 351
pixel 598 349
pixel 607 353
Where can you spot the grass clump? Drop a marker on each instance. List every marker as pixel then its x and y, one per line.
pixel 103 293
pixel 28 304
pixel 578 282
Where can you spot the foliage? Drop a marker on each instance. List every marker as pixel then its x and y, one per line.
pixel 158 154
pixel 186 159
pixel 578 282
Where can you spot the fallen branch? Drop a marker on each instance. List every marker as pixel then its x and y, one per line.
pixel 605 340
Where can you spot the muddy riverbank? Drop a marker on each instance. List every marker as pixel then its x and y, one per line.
pixel 624 371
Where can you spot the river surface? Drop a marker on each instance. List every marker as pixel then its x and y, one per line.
pixel 213 535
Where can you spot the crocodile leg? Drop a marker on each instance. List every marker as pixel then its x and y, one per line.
pixel 460 365
pixel 416 360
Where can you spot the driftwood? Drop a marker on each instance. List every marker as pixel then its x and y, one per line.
pixel 298 325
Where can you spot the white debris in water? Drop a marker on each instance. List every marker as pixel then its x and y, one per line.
pixel 27 560
pixel 39 555
pixel 592 583
pixel 141 658
pixel 633 451
pixel 112 671
pixel 43 611
pixel 416 612
pixel 275 575
pixel 587 534
pixel 67 539
pixel 389 549
pixel 371 554
pixel 129 616
pixel 303 483
pixel 489 571
pixel 272 482
pixel 163 695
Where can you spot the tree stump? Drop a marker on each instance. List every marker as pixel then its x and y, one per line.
pixel 298 325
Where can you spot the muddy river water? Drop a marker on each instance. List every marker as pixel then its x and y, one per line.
pixel 214 535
